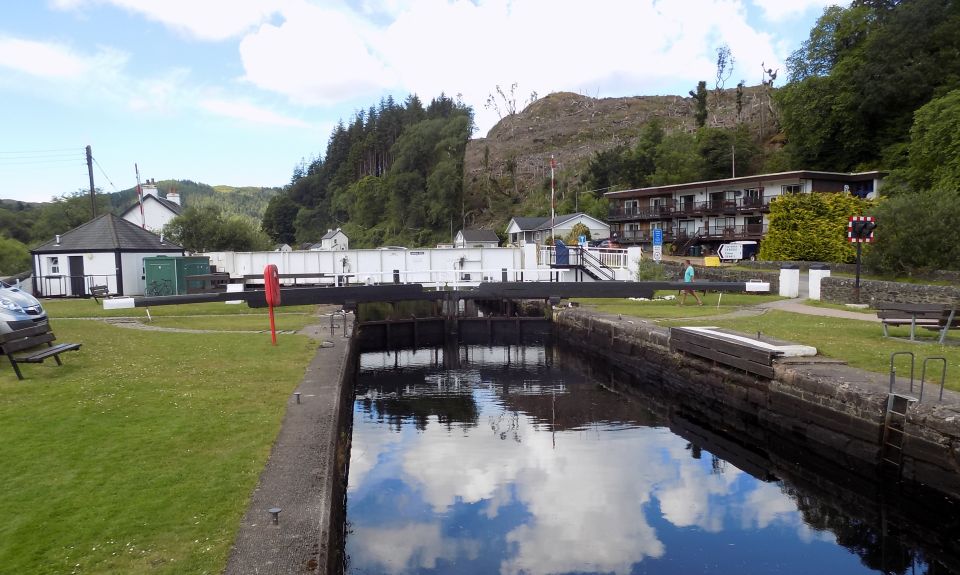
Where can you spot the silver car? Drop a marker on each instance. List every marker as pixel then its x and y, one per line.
pixel 18 309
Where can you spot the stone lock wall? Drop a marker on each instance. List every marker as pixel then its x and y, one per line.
pixel 721 274
pixel 837 418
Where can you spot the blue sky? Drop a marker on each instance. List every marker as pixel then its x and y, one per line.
pixel 236 92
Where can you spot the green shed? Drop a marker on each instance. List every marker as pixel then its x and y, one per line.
pixel 169 275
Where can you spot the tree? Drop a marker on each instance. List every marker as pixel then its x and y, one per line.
pixel 579 229
pixel 14 257
pixel 915 233
pixel 700 103
pixel 812 227
pixel 934 150
pixel 204 228
pixel 279 219
pixel 725 63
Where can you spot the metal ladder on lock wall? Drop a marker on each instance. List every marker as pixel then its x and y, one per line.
pixel 891 449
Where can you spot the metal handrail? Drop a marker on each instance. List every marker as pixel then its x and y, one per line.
pixel 943 375
pixel 893 369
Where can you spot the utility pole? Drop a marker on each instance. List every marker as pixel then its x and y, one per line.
pixel 93 193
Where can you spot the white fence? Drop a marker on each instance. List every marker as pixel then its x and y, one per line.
pixel 434 266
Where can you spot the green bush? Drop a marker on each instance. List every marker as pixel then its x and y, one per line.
pixel 649 270
pixel 812 227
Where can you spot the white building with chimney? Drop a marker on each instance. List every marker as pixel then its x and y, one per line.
pixel 332 241
pixel 157 212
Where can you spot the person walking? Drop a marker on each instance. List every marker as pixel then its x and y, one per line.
pixel 688 278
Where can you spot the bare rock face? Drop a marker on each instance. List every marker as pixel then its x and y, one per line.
pixel 513 159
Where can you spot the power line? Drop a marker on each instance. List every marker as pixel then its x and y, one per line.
pixel 105 175
pixel 55 150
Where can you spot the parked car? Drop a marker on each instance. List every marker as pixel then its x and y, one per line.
pixel 606 243
pixel 18 309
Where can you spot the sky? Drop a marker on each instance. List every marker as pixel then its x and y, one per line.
pixel 238 92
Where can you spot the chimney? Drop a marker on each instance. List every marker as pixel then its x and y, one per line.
pixel 173 197
pixel 58 239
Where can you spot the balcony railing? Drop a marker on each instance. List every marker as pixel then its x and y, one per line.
pixel 672 235
pixel 674 209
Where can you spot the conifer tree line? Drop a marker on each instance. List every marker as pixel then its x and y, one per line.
pixel 393 176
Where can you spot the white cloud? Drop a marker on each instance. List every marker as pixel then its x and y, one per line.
pixel 779 10
pixel 205 19
pixel 316 56
pixel 55 61
pixel 249 112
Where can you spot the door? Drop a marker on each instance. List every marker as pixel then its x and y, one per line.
pixel 78 284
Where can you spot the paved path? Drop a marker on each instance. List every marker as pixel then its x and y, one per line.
pixel 299 476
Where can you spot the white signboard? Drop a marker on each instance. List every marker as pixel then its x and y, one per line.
pixel 730 251
pixel 657 252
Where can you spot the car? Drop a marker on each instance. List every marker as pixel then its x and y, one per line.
pixel 18 309
pixel 606 243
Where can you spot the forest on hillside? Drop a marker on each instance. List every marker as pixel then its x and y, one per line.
pixel 393 176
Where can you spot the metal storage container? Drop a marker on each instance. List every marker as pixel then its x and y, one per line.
pixel 169 275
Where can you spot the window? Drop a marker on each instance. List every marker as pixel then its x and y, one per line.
pixel 791 189
pixel 53 264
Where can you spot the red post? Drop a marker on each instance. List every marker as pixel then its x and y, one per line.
pixel 271 286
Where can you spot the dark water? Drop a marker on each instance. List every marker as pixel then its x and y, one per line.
pixel 503 461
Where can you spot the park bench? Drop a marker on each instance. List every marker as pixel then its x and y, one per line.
pixel 727 349
pixel 98 292
pixel 935 316
pixel 18 340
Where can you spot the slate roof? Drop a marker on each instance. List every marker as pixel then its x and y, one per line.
pixel 108 232
pixel 173 207
pixel 534 224
pixel 529 224
pixel 329 235
pixel 479 236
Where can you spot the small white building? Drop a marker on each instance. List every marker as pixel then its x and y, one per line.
pixel 476 239
pixel 332 241
pixel 521 231
pixel 282 248
pixel 107 250
pixel 157 211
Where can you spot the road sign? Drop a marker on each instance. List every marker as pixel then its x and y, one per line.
pixel 860 229
pixel 730 251
pixel 657 252
pixel 657 237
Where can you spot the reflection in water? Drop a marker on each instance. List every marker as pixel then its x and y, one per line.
pixel 509 464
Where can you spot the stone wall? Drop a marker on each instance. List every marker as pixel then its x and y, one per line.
pixel 841 290
pixel 931 275
pixel 675 271
pixel 834 415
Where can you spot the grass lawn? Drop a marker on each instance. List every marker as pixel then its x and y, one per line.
pixel 665 309
pixel 860 343
pixel 65 308
pixel 247 322
pixel 840 306
pixel 139 454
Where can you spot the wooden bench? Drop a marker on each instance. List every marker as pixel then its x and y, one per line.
pixel 30 337
pixel 98 292
pixel 725 349
pixel 939 317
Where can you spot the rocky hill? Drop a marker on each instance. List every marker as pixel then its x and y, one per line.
pixel 513 160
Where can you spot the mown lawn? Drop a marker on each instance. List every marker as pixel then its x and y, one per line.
pixel 139 454
pixel 860 343
pixel 666 309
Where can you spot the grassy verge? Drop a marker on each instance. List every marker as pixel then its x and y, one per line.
pixel 248 322
pixel 859 343
pixel 139 454
pixel 840 306
pixel 89 308
pixel 661 309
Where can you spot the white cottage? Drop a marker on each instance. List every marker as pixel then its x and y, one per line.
pixel 332 241
pixel 107 250
pixel 157 211
pixel 521 231
pixel 476 239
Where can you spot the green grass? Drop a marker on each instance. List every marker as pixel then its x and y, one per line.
pixel 860 343
pixel 249 322
pixel 65 308
pixel 139 454
pixel 658 309
pixel 840 306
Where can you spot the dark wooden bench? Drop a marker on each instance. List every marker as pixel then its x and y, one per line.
pixel 31 337
pixel 939 317
pixel 98 292
pixel 724 349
